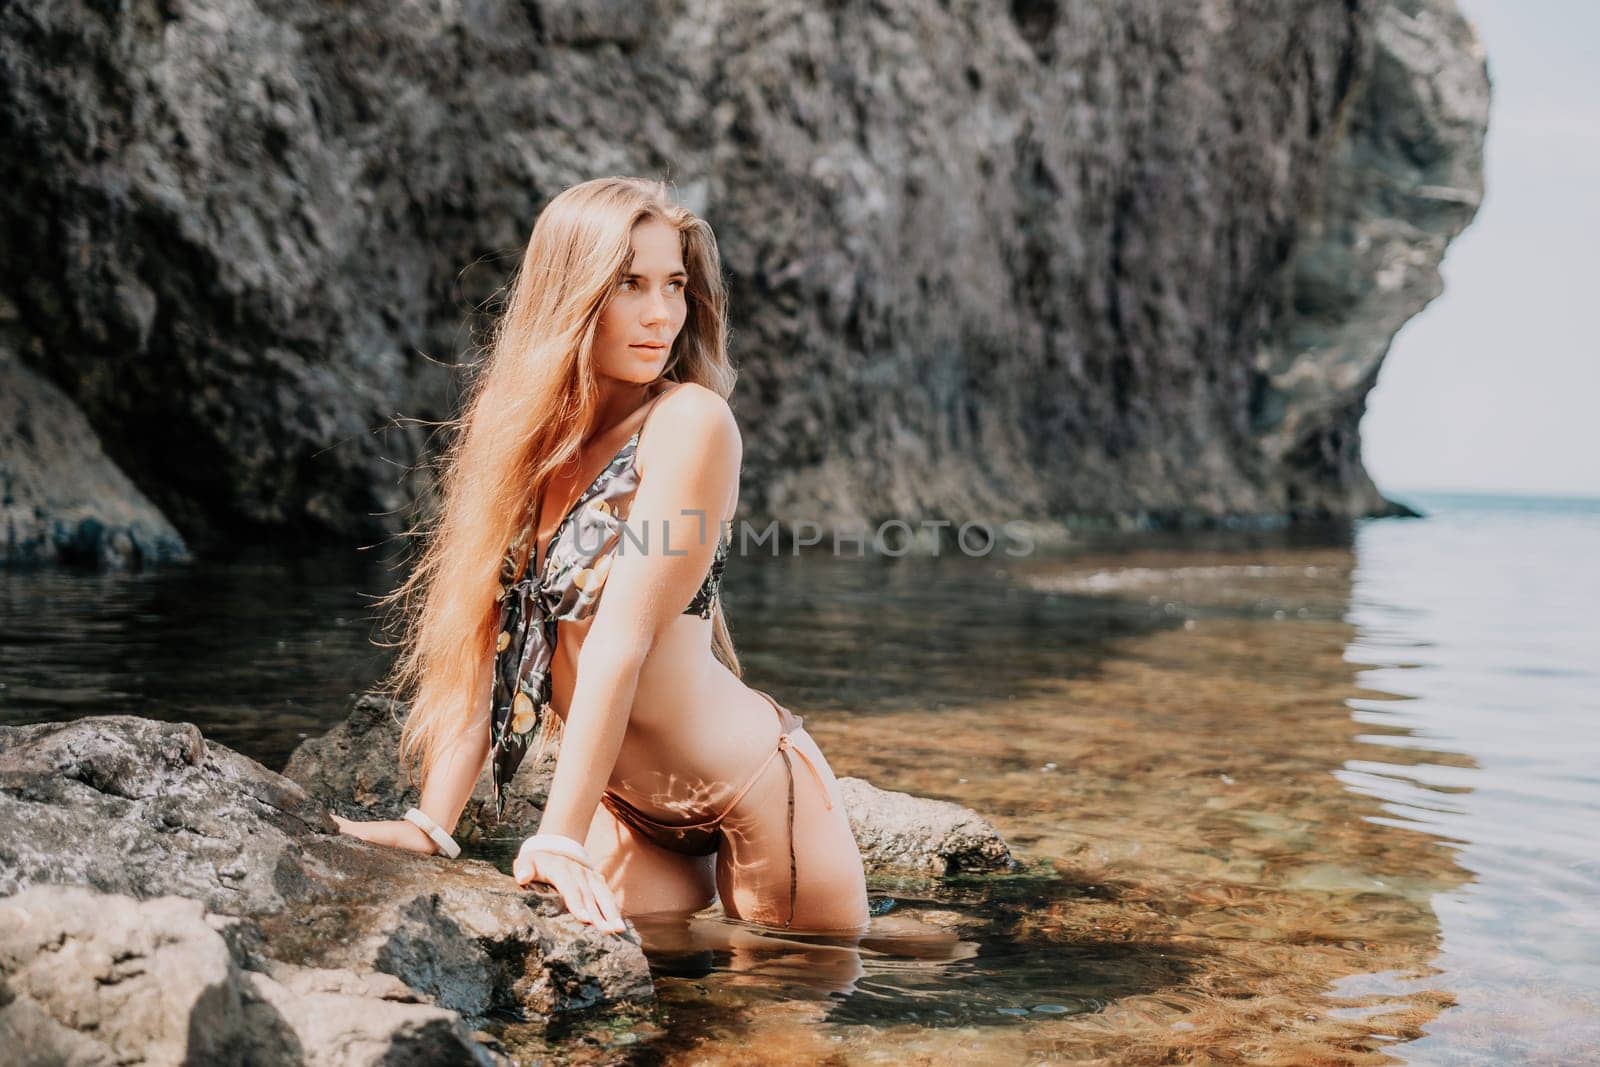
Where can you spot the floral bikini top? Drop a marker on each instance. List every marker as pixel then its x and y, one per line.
pixel 576 564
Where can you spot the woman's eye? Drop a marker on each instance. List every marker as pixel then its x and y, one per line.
pixel 629 283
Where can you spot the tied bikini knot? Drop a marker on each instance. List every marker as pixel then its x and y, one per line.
pixel 786 746
pixel 522 657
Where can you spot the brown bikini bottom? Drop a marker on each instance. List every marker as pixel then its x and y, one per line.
pixel 703 837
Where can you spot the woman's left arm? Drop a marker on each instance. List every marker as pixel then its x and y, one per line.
pixel 687 474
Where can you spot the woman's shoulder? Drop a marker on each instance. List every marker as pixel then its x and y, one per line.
pixel 692 419
pixel 693 410
pixel 692 401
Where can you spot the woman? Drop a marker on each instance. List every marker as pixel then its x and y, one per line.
pixel 601 411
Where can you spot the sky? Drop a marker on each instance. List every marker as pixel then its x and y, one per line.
pixel 1496 384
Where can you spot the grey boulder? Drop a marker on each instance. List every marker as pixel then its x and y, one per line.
pixel 105 978
pixel 144 808
pixel 899 832
pixel 354 769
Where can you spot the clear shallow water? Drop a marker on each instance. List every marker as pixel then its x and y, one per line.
pixel 1494 648
pixel 1315 796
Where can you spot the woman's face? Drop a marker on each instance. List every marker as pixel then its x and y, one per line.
pixel 647 309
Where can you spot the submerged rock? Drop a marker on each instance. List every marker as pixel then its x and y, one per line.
pixel 354 768
pixel 132 806
pixel 92 977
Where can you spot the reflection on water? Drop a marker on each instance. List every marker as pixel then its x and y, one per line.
pixel 260 653
pixel 897 952
pixel 1494 649
pixel 1313 796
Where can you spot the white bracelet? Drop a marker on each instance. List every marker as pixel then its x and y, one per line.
pixel 447 844
pixel 560 845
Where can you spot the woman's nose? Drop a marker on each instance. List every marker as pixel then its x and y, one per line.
pixel 656 309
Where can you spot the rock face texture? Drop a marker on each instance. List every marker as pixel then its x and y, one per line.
pixel 1050 259
pixel 1405 178
pixel 98 977
pixel 61 499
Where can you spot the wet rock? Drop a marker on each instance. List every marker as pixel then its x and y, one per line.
pixel 353 768
pixel 129 805
pixel 92 977
pixel 902 832
pixel 132 805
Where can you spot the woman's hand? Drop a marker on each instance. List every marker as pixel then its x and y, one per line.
pixel 396 833
pixel 582 890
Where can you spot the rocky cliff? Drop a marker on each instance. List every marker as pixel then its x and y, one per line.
pixel 1051 259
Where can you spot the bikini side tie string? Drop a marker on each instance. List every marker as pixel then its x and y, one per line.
pixel 785 746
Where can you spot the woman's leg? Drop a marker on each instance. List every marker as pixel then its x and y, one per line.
pixel 646 877
pixel 752 871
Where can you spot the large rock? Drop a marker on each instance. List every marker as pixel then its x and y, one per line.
pixel 1403 181
pixel 354 769
pixel 902 832
pixel 142 808
pixel 98 978
pixel 61 499
pixel 1045 259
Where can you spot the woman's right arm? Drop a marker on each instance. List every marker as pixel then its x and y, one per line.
pixel 446 789
pixel 449 784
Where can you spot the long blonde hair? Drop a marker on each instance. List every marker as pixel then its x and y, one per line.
pixel 526 405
